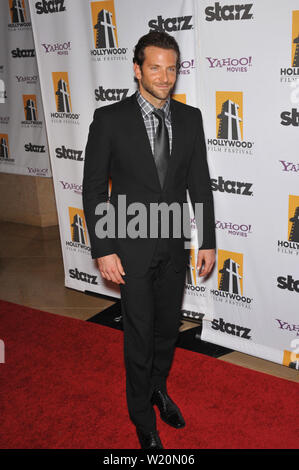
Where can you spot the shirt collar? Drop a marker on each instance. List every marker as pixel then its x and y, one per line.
pixel 147 108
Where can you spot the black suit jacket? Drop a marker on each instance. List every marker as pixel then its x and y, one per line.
pixel 118 146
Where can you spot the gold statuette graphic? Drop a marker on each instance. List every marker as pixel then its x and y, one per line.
pixel 104 25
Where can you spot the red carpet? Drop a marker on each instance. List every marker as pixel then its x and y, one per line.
pixel 63 386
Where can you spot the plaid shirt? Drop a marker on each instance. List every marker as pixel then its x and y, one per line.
pixel 151 122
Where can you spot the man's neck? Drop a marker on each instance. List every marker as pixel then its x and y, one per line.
pixel 157 103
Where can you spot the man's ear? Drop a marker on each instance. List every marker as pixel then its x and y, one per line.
pixel 137 71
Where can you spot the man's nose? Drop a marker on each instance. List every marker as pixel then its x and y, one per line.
pixel 164 76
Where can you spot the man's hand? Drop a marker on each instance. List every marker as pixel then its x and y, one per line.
pixel 205 261
pixel 111 268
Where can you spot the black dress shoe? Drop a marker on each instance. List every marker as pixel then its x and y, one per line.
pixel 169 411
pixel 149 440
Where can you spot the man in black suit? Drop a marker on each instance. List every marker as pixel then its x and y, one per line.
pixel 154 149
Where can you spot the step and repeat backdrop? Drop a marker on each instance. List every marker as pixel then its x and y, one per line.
pixel 23 141
pixel 240 65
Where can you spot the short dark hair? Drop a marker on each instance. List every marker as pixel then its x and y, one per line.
pixel 157 39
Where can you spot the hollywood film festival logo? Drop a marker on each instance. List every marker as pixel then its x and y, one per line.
pixel 230 280
pixel 18 16
pixel 78 242
pixel 30 112
pixel 193 281
pixel 290 72
pixel 290 76
pixel 291 245
pixel 4 150
pixel 193 286
pixel 62 95
pixel 105 34
pixel 229 125
pixel 291 358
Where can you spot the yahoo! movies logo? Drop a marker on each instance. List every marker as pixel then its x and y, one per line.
pixel 59 48
pixel 291 245
pixel 286 326
pixel 27 79
pixel 4 150
pixel 233 228
pixel 18 15
pixel 78 233
pixel 70 186
pixel 63 101
pixel 229 125
pixel 228 64
pixel 30 112
pixel 289 166
pixel 186 67
pixel 105 38
pixel 290 73
pixel 230 280
pixel 34 171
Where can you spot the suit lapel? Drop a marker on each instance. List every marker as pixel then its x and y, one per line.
pixel 148 164
pixel 177 138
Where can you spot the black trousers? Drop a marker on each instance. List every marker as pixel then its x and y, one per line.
pixel 151 306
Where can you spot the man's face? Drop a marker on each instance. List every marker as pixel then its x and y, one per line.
pixel 157 76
